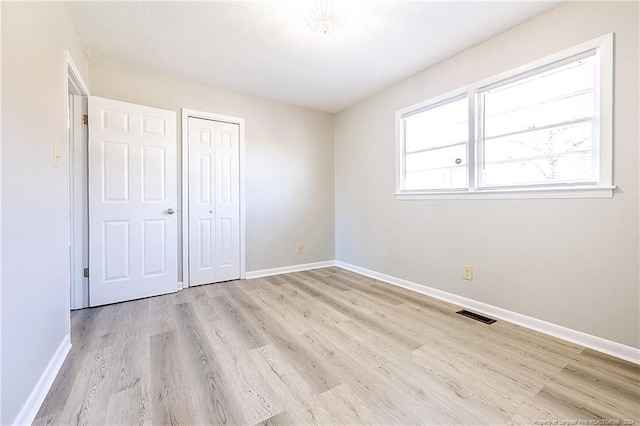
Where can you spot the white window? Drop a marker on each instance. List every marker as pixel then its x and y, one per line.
pixel 542 130
pixel 436 141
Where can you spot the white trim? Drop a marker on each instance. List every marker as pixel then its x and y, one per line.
pixel 186 113
pixel 1 283
pixel 289 269
pixel 72 74
pixel 605 151
pixel 31 407
pixel 615 349
pixel 520 193
pixel 184 140
pixel 243 203
pixel 78 217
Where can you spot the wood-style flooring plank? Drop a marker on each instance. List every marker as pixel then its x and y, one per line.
pixel 336 302
pixel 172 397
pixel 130 406
pixel 367 377
pixel 350 409
pixel 213 402
pixel 239 320
pixel 280 306
pixel 282 419
pixel 319 378
pixel 300 400
pixel 244 381
pixel 433 393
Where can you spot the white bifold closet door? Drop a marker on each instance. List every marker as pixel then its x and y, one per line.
pixel 133 233
pixel 214 201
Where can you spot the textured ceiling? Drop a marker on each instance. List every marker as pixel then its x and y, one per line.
pixel 264 48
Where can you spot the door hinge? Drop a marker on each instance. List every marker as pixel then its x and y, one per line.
pixel 85 272
pixel 85 119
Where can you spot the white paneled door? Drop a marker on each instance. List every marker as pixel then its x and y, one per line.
pixel 214 201
pixel 132 201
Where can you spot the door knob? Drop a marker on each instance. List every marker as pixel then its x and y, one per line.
pixel 171 211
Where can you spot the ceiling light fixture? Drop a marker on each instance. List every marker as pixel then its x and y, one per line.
pixel 326 16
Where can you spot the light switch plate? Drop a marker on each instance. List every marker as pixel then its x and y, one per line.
pixel 56 157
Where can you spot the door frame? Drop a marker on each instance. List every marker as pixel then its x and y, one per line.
pixel 73 81
pixel 186 114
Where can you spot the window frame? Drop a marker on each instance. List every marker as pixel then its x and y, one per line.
pixel 603 188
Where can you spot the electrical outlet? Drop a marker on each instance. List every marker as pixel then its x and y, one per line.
pixel 467 272
pixel 299 249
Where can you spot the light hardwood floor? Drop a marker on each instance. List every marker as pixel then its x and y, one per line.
pixel 325 347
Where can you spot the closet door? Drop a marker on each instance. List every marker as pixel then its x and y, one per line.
pixel 214 201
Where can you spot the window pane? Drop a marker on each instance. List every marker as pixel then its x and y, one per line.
pixel 539 130
pixel 440 126
pixel 555 140
pixel 558 95
pixel 438 158
pixel 560 154
pixel 449 178
pixel 572 167
pixel 559 110
pixel 435 142
pixel 443 168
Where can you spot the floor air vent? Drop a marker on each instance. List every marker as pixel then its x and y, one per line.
pixel 476 317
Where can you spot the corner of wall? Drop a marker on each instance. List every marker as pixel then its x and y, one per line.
pixel 30 409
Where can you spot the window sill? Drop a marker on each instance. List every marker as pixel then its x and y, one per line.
pixel 505 194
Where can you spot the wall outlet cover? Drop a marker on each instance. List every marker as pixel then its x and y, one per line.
pixel 467 272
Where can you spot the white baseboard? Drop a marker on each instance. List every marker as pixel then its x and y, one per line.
pixel 615 349
pixel 32 405
pixel 288 269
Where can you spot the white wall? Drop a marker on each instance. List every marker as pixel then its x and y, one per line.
pixel 35 291
pixel 289 161
pixel 569 262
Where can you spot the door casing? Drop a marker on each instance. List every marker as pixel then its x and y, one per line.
pixel 186 114
pixel 76 195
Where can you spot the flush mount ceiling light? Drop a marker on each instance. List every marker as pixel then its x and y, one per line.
pixel 326 16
